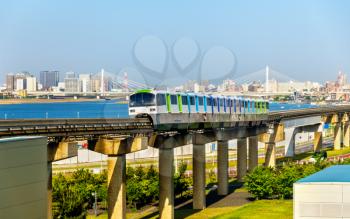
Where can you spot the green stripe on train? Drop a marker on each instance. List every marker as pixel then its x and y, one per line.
pixel 144 91
pixel 168 102
pixel 179 102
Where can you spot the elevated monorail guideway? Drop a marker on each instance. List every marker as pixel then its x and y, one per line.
pixel 299 113
pixel 74 127
pixel 145 126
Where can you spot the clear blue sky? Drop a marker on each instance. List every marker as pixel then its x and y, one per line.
pixel 307 40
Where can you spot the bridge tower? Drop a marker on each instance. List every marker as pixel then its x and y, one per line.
pixel 125 82
pixel 267 79
pixel 102 81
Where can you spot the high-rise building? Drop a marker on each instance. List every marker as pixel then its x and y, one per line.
pixel 10 82
pixel 70 74
pixel 85 83
pixel 96 84
pixel 31 83
pixel 20 81
pixel 49 79
pixel 71 82
pixel 21 84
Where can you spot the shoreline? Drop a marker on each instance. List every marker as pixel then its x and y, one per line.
pixel 68 100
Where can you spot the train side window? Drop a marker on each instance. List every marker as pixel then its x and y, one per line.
pixel 267 105
pixel 200 101
pixel 192 100
pixel 221 102
pixel 184 100
pixel 209 99
pixel 161 99
pixel 215 102
pixel 173 99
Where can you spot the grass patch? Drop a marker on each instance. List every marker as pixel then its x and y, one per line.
pixel 204 214
pixel 101 216
pixel 269 209
pixel 332 153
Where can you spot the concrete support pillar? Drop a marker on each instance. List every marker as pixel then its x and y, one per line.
pixel 166 184
pixel 290 134
pixel 49 190
pixel 199 201
pixel 222 167
pixel 337 136
pixel 318 141
pixel 116 187
pixel 253 152
pixel 346 135
pixel 270 156
pixel 241 158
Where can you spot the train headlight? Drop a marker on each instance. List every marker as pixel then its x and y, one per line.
pixel 132 110
pixel 152 109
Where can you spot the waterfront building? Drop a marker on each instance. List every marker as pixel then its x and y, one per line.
pixel 85 83
pixel 95 85
pixel 71 85
pixel 10 82
pixel 71 82
pixel 70 74
pixel 227 85
pixel 49 79
pixel 31 83
pixel 21 84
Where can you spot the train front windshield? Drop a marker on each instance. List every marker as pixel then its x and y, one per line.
pixel 142 99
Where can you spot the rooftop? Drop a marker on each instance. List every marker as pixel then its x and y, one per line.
pixel 336 173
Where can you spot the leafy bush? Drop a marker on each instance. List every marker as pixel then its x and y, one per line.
pixel 181 182
pixel 285 177
pixel 142 186
pixel 72 194
pixel 260 182
pixel 266 182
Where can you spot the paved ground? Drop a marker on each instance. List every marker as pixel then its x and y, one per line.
pixel 236 197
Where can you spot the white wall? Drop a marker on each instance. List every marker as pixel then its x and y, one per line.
pixel 321 200
pixel 23 177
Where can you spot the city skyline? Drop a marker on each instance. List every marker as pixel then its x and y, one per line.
pixel 311 39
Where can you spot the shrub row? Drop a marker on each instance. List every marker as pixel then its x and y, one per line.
pixel 73 193
pixel 277 183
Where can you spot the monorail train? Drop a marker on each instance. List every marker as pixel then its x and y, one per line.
pixel 168 107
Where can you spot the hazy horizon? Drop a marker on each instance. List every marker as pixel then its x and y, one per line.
pixel 305 40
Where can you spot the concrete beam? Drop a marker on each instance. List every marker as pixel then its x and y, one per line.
pixel 170 141
pixel 198 159
pixel 61 150
pixel 203 138
pixel 252 152
pixel 274 134
pixel 345 117
pixel 346 134
pixel 116 186
pixel 270 156
pixel 334 118
pixel 222 167
pixel 119 146
pixel 241 158
pixel 337 136
pixel 241 132
pixel 166 183
pixel 290 133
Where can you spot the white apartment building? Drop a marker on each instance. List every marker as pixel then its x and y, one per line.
pixel 20 84
pixel 85 83
pixel 31 84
